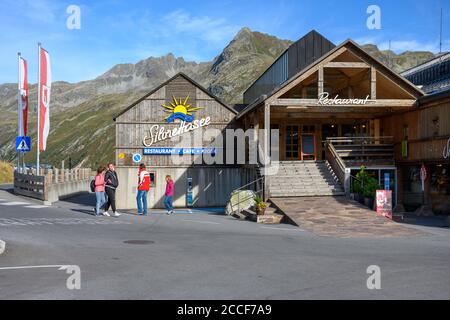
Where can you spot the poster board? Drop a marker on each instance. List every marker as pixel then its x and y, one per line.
pixel 384 203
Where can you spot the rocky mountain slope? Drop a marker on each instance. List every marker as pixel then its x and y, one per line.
pixel 81 119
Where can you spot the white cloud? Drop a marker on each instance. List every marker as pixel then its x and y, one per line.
pixel 203 27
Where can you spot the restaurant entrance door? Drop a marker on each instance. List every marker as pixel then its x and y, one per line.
pixel 300 142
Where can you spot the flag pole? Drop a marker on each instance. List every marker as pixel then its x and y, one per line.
pixel 38 108
pixel 18 108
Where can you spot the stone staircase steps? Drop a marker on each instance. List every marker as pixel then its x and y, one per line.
pixel 304 179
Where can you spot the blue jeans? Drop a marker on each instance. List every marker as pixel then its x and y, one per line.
pixel 141 199
pixel 168 203
pixel 101 200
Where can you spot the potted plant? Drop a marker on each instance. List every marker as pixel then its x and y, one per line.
pixel 358 184
pixel 260 205
pixel 369 192
pixel 356 190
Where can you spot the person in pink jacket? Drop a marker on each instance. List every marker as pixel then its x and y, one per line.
pixel 100 191
pixel 168 196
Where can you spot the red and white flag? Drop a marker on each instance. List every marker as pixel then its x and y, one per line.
pixel 23 96
pixel 45 84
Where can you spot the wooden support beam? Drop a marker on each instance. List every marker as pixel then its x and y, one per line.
pixel 373 83
pixel 320 81
pixel 344 116
pixel 266 132
pixel 376 103
pixel 347 65
pixel 304 76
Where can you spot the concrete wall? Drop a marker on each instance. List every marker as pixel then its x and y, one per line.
pixel 66 189
pixel 212 185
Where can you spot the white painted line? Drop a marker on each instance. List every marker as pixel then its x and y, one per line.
pixel 17 203
pixel 197 221
pixel 37 207
pixel 285 229
pixel 33 267
pixel 2 200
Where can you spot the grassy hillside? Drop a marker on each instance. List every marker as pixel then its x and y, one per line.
pixel 86 134
pixel 6 172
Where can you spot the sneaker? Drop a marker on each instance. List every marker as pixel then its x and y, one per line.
pixel 171 212
pixel 106 214
pixel 116 214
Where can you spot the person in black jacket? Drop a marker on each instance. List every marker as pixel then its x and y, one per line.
pixel 111 184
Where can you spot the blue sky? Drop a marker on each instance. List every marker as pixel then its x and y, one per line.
pixel 116 31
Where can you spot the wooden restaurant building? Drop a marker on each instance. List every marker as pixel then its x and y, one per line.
pixel 335 108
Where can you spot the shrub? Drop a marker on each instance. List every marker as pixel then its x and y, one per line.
pixel 364 184
pixel 6 172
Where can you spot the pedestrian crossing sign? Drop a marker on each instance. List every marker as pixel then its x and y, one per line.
pixel 23 144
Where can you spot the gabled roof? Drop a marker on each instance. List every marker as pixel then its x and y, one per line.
pixel 348 42
pixel 165 83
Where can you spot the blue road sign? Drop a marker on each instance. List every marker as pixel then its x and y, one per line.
pixel 23 144
pixel 137 158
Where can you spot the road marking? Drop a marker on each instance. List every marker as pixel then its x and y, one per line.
pixel 37 207
pixel 285 229
pixel 5 222
pixel 2 200
pixel 16 203
pixel 33 267
pixel 197 221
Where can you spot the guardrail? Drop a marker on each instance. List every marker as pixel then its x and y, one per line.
pixel 51 184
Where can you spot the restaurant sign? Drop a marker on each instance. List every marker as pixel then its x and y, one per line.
pixel 325 100
pixel 179 151
pixel 180 111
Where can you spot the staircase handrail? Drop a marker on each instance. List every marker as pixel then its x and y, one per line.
pixel 336 156
pixel 364 139
pixel 257 191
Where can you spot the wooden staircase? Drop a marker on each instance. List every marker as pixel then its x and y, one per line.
pixel 367 151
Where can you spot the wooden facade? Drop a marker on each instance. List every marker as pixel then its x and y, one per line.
pixel 346 72
pixel 212 184
pixel 134 124
pixel 422 138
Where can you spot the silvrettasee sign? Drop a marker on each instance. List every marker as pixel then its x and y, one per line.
pixel 325 100
pixel 179 111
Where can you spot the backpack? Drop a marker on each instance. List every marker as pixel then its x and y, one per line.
pixel 92 185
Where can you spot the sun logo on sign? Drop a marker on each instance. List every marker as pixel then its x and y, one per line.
pixel 180 109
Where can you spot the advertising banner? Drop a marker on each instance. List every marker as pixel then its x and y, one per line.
pixel 384 203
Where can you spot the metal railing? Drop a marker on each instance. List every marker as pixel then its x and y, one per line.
pixel 257 186
pixel 361 140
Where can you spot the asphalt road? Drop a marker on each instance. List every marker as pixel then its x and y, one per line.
pixel 205 256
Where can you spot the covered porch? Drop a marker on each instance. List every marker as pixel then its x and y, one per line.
pixel 344 94
pixel 331 111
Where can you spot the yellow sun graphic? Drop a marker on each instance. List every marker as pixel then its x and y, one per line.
pixel 180 109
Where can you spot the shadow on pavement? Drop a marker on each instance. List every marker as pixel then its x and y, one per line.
pixel 89 212
pixel 433 221
pixel 84 199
